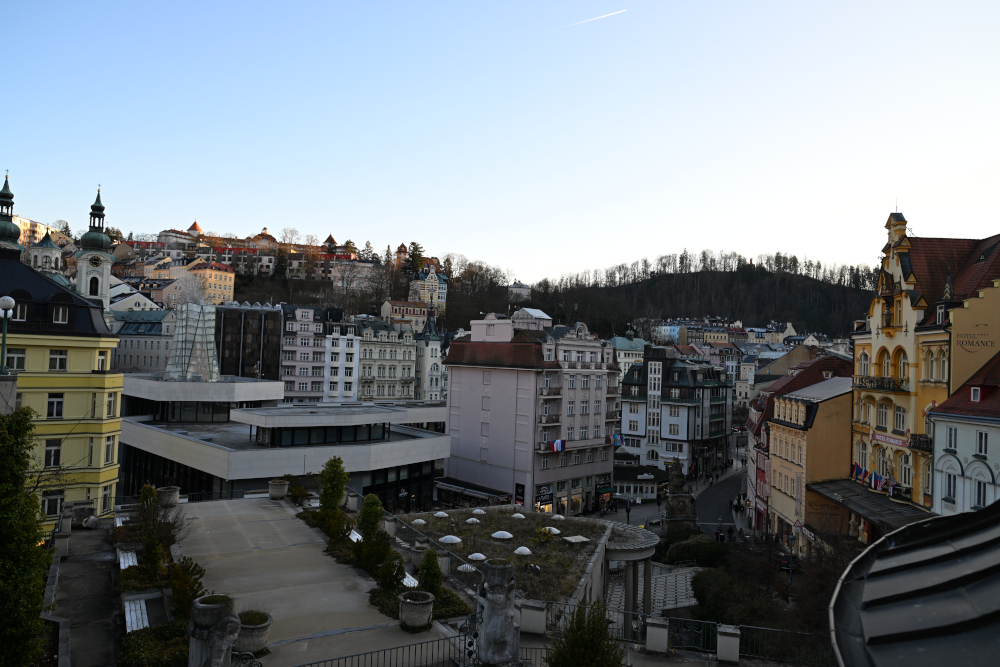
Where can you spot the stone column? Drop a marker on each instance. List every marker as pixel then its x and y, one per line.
pixel 635 585
pixel 500 635
pixel 629 590
pixel 647 591
pixel 213 629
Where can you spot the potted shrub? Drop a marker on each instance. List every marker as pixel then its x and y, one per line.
pixel 255 624
pixel 416 609
pixel 277 489
pixel 169 496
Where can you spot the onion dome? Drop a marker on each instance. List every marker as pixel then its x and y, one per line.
pixel 96 239
pixel 9 232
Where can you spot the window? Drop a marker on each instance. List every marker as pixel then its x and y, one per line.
pixel 57 360
pixel 303 371
pixel 604 454
pixel 53 453
pixel 560 486
pixel 883 415
pixel 569 434
pixel 883 462
pixel 584 407
pixel 576 483
pixel 863 364
pixel 317 386
pixel 289 386
pixel 952 438
pixel 585 382
pixel 570 407
pixel 52 502
pixel 288 341
pixel 95 286
pixel 576 458
pixel 102 361
pixel 975 394
pixel 562 461
pixel 939 318
pixel 928 478
pixel 60 314
pixel 950 482
pixel 590 459
pixel 900 424
pixel 980 494
pixel 55 408
pixel 545 463
pixel 675 411
pixel 20 312
pixel 15 358
pixel 109 449
pixel 583 434
pixel 111 406
pixel 633 425
pixel 303 386
pixel 981 443
pixel 572 382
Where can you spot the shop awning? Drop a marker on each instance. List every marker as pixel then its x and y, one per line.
pixel 875 507
pixel 472 490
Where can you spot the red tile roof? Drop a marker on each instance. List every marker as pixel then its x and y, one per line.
pixel 498 355
pixel 930 259
pixel 987 379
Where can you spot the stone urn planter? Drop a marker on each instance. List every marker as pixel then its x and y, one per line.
pixel 213 630
pixel 169 495
pixel 207 610
pixel 277 489
pixel 253 638
pixel 416 609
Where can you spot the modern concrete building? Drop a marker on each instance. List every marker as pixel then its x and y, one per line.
pixel 235 436
pixel 530 413
pixel 248 340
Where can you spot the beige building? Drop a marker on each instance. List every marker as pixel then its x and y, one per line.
pixel 406 313
pixel 387 363
pixel 430 286
pixel 530 412
pixel 809 442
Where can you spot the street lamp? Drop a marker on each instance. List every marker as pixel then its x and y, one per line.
pixel 6 311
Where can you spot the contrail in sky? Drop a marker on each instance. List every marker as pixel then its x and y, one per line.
pixel 597 17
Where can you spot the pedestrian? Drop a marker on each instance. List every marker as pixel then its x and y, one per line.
pixel 730 505
pixel 730 532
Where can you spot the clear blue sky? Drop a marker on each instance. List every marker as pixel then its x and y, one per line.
pixel 496 131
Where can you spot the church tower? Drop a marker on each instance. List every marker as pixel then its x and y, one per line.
pixel 45 255
pixel 94 259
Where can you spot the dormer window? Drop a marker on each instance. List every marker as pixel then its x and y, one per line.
pixel 939 319
pixel 975 394
pixel 20 312
pixel 60 314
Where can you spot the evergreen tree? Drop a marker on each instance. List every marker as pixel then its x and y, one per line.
pixel 332 482
pixel 22 576
pixel 586 640
pixel 429 573
pixel 370 516
pixel 63 227
pixel 350 248
pixel 414 259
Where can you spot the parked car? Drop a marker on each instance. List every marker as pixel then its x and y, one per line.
pixel 789 563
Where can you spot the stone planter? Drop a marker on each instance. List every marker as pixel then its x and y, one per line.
pixel 416 609
pixel 277 489
pixel 253 638
pixel 207 615
pixel 169 495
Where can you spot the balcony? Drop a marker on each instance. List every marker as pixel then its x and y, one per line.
pixel 922 443
pixel 882 383
pixel 693 400
pixel 550 391
pixel 719 399
pixel 612 415
pixel 549 419
pixel 614 391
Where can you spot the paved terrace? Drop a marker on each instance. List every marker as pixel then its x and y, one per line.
pixel 257 551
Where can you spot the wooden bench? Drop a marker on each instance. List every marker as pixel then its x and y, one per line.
pixel 135 615
pixel 127 559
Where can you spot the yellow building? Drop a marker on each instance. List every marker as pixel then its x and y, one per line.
pixel 810 442
pixel 215 280
pixel 60 348
pixel 926 304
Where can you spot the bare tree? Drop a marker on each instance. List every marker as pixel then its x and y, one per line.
pixel 290 235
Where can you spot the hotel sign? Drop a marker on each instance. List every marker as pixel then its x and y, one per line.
pixel 889 440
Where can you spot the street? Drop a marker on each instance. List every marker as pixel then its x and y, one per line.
pixel 713 503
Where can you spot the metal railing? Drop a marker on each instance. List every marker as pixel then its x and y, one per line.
pixel 625 626
pixel 798 648
pixel 551 391
pixel 692 635
pixel 203 496
pixel 467 573
pixel 449 652
pixel 549 419
pixel 882 382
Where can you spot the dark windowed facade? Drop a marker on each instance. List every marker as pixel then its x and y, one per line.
pixel 247 336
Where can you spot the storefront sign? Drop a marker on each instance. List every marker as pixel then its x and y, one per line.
pixel 519 494
pixel 503 500
pixel 603 483
pixel 808 533
pixel 889 440
pixel 544 499
pixel 761 507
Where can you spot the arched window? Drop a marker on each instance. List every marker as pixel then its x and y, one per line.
pixel 863 454
pixel 905 470
pixel 942 366
pixel 34 261
pixel 884 363
pixel 95 286
pixel 46 262
pixel 883 415
pixel 883 462
pixel 903 365
pixel 434 368
pixel 863 364
pixel 928 373
pixel 652 455
pixel 900 422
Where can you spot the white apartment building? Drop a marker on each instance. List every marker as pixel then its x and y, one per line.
pixel 343 368
pixel 431 383
pixel 304 365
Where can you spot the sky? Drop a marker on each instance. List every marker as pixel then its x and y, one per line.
pixel 520 134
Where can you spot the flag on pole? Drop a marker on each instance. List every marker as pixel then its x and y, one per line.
pixel 881 483
pixel 855 469
pixel 558 445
